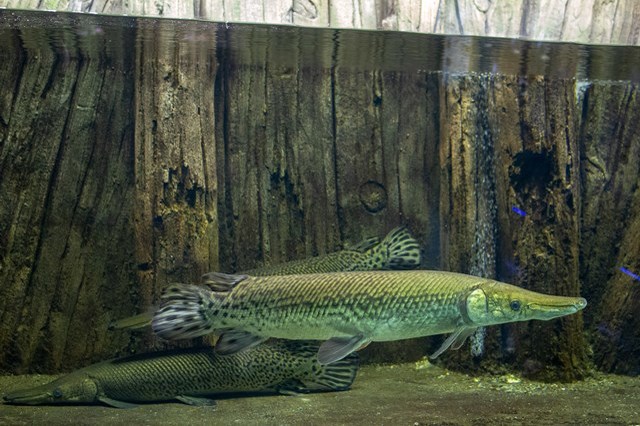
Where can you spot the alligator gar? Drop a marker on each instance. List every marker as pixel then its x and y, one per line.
pixel 194 376
pixel 348 309
pixel 398 250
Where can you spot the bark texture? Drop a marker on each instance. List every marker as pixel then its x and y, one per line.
pixel 66 191
pixel 584 21
pixel 611 175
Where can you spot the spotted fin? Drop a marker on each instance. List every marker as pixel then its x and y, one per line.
pixel 398 250
pixel 337 376
pixel 364 245
pixel 184 312
pixel 454 341
pixel 233 341
pixel 337 348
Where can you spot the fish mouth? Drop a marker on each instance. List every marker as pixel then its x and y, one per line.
pixel 558 306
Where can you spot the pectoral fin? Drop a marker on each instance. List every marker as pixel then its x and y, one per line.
pixel 337 348
pixel 454 341
pixel 197 401
pixel 115 403
pixel 233 341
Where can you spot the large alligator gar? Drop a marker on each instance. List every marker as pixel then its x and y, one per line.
pixel 193 376
pixel 348 309
pixel 398 250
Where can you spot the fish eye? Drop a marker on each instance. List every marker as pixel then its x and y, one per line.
pixel 57 393
pixel 515 305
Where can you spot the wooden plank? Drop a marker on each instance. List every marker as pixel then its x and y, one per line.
pixel 545 178
pixel 278 155
pixel 71 196
pixel 175 158
pixel 537 171
pixel 610 220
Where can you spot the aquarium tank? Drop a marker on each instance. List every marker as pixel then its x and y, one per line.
pixel 277 224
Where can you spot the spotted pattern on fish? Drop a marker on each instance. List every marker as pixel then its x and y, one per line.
pixel 186 373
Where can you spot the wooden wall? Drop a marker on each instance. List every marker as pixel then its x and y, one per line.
pixel 584 21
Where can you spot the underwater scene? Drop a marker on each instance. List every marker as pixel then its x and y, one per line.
pixel 214 223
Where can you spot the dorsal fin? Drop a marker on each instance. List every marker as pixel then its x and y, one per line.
pixel 217 281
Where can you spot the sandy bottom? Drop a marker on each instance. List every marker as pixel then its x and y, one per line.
pixel 406 394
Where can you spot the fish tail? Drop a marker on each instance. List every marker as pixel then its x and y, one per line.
pixel 336 376
pixel 398 250
pixel 185 312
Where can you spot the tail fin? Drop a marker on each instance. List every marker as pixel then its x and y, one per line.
pixel 337 376
pixel 398 250
pixel 136 321
pixel 185 312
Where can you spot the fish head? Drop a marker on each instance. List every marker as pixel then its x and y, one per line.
pixel 494 302
pixel 68 389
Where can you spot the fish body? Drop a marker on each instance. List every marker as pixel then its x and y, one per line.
pixel 348 309
pixel 193 376
pixel 398 250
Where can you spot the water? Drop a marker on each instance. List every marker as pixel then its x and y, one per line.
pixel 138 152
pixel 289 46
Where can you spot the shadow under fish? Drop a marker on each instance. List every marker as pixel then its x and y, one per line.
pixel 195 376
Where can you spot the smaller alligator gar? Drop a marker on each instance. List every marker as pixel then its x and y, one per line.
pixel 193 376
pixel 348 309
pixel 398 250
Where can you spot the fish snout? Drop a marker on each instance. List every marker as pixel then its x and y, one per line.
pixel 32 396
pixel 551 307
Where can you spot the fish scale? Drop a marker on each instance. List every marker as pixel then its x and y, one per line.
pixel 349 309
pixel 286 301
